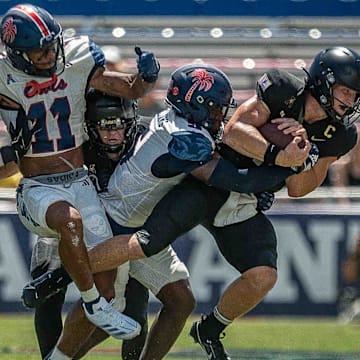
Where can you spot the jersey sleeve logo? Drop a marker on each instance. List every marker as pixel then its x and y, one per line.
pixel 264 82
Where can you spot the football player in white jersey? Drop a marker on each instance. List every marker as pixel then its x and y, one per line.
pixel 179 141
pixel 164 274
pixel 112 124
pixel 44 79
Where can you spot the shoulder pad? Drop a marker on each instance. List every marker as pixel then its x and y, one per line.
pixel 190 146
pixel 79 49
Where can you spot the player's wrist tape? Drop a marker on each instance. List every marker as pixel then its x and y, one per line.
pixel 270 154
pixel 7 154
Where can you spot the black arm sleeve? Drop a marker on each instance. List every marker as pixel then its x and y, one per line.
pixel 227 177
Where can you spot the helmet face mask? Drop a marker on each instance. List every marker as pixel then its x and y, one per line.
pixel 105 112
pixel 26 28
pixel 202 94
pixel 335 66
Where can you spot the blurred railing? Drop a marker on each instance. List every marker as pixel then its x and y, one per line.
pixel 242 46
pixel 325 199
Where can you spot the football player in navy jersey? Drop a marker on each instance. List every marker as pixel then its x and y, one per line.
pixel 44 79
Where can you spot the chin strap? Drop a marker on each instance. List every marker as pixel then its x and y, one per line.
pixel 220 133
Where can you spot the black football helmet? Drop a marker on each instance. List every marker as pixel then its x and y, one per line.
pixel 200 93
pixel 336 65
pixel 110 113
pixel 27 27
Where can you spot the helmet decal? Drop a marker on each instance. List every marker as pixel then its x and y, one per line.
pixel 201 94
pixel 201 81
pixel 175 91
pixel 9 30
pixel 35 18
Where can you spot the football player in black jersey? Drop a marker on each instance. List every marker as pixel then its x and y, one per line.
pixel 325 103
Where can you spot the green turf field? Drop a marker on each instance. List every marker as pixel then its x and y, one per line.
pixel 249 338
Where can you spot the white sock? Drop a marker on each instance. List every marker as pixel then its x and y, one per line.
pixel 90 295
pixel 58 355
pixel 220 317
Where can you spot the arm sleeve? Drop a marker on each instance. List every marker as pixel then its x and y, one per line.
pixel 227 177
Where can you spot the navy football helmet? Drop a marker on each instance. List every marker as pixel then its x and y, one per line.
pixel 107 112
pixel 201 93
pixel 336 65
pixel 27 27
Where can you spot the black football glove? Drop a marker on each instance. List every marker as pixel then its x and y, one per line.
pixel 21 136
pixel 311 160
pixel 37 291
pixel 265 200
pixel 147 65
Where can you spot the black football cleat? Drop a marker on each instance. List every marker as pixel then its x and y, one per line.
pixel 213 347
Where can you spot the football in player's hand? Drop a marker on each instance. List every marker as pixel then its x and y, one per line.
pixel 275 136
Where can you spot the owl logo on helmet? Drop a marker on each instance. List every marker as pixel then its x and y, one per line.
pixel 202 94
pixel 336 65
pixel 25 28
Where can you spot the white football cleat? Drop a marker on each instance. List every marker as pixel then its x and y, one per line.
pixel 116 324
